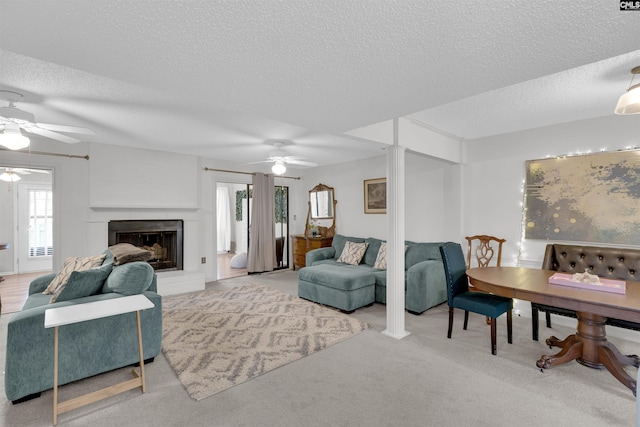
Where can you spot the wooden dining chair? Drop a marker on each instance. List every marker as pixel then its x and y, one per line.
pixel 459 296
pixel 483 248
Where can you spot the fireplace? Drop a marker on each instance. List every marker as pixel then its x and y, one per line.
pixel 162 237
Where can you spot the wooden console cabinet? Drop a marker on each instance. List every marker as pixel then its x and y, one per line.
pixel 303 244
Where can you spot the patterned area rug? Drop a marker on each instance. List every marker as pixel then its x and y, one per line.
pixel 216 339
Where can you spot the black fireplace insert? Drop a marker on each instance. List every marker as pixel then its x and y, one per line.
pixel 164 238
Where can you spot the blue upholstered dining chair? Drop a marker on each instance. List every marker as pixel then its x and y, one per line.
pixel 459 296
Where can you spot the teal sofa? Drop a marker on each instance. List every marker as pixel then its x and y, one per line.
pixel 87 348
pixel 348 287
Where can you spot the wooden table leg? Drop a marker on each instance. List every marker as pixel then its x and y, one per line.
pixel 55 376
pixel 143 385
pixel 589 347
pixel 608 357
pixel 571 350
pixel 556 342
pixel 68 405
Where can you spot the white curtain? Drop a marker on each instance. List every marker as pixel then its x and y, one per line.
pixel 262 244
pixel 224 219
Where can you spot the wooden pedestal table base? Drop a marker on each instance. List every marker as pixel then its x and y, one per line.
pixel 589 346
pixel 60 316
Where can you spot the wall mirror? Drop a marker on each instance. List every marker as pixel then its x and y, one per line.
pixel 321 202
pixel 321 219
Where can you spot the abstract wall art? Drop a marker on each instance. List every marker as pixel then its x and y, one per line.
pixel 584 198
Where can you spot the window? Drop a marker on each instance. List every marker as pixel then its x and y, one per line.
pixel 40 223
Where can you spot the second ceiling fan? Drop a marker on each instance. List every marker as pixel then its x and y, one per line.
pixel 13 174
pixel 280 158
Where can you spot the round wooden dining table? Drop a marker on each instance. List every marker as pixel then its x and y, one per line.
pixel 589 345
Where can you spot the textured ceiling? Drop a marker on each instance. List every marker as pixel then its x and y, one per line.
pixel 219 78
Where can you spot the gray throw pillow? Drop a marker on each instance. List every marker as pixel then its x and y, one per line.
pixel 82 284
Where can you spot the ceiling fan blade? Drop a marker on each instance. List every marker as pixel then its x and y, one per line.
pixel 63 128
pixel 52 135
pixel 261 161
pixel 300 162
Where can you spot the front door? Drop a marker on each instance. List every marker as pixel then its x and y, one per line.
pixel 34 247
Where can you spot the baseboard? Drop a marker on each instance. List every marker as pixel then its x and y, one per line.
pixel 179 282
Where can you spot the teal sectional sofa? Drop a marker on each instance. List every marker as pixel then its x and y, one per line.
pixel 86 348
pixel 347 287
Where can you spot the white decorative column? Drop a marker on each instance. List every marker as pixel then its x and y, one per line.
pixel 395 240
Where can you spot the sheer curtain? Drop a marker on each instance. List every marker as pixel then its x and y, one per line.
pixel 224 219
pixel 262 244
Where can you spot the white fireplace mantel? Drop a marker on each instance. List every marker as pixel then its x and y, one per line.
pixel 191 278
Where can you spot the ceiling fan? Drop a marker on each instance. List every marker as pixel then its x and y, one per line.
pixel 13 174
pixel 279 158
pixel 13 119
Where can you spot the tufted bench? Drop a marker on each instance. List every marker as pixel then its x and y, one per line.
pixel 607 263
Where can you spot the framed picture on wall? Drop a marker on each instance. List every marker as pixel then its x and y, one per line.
pixel 375 196
pixel 584 198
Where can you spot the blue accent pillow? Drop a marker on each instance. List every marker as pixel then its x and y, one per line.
pixel 129 279
pixel 82 284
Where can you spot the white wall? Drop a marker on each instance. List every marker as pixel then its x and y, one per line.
pixel 428 194
pixel 493 175
pixel 135 178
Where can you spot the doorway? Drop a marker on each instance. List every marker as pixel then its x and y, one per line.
pixel 34 245
pixel 233 213
pixel 26 227
pixel 233 209
pixel 26 220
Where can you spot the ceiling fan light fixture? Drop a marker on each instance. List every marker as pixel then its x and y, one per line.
pixel 8 176
pixel 12 138
pixel 278 168
pixel 629 102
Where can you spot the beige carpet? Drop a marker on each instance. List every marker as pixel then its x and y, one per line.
pixel 214 340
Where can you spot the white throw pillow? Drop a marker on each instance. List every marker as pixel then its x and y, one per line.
pixel 353 252
pixel 381 259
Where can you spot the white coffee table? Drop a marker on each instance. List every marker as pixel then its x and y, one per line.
pixel 56 317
